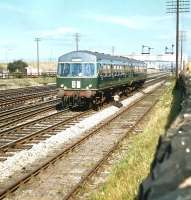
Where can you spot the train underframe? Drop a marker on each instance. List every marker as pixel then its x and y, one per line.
pixel 86 99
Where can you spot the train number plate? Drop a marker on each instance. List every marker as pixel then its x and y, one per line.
pixel 76 84
pixel 73 84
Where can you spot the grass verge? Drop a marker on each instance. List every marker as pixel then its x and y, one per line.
pixel 125 178
pixel 25 82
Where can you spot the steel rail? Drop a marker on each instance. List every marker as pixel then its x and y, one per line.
pixel 3 132
pixel 32 122
pixel 25 90
pixel 7 102
pixel 27 107
pixel 19 118
pixel 41 132
pixel 92 171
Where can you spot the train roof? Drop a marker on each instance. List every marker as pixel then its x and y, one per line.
pixel 89 56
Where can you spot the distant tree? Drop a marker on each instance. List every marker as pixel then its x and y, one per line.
pixel 17 66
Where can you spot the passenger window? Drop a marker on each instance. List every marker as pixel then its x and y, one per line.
pixel 66 69
pixel 101 70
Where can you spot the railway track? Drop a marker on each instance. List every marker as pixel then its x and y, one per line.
pixel 19 116
pixel 24 108
pixel 105 136
pixel 18 97
pixel 26 90
pixel 13 119
pixel 113 131
pixel 10 118
pixel 19 124
pixel 23 136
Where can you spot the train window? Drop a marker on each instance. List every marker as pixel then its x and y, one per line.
pixel 63 69
pixel 59 69
pixel 106 70
pixel 66 69
pixel 76 69
pixel 123 69
pixel 127 68
pixel 114 70
pixel 88 69
pixel 100 68
pixel 109 70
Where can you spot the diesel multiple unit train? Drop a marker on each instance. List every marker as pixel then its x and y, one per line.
pixel 87 79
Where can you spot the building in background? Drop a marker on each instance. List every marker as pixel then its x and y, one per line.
pixel 157 62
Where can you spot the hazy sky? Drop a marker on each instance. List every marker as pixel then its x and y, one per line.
pixel 125 24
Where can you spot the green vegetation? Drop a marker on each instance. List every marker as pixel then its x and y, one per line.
pixel 125 178
pixel 45 80
pixel 25 82
pixel 17 66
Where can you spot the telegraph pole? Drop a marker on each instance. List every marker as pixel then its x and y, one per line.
pixel 113 50
pixel 77 39
pixel 177 36
pixel 182 39
pixel 37 53
pixel 178 6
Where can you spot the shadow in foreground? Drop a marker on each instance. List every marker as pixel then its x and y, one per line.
pixel 171 166
pixel 178 93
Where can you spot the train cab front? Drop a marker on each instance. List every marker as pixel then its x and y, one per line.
pixel 76 83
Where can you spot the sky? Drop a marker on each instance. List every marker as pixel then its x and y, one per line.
pixel 101 24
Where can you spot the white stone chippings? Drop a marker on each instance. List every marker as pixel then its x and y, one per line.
pixel 128 101
pixel 26 158
pixel 150 88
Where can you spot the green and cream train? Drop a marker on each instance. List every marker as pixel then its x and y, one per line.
pixel 87 79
